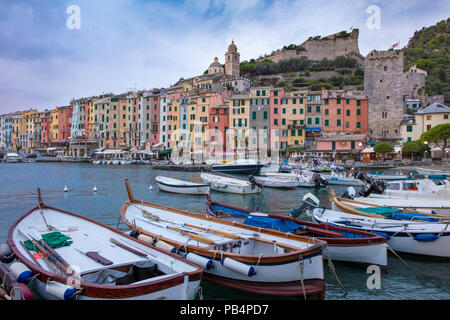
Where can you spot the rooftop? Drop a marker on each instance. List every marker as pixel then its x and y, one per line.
pixel 434 108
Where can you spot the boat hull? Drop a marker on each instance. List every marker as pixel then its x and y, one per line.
pixel 192 189
pixel 239 168
pixel 401 235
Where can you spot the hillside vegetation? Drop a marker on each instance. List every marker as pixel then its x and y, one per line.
pixel 429 49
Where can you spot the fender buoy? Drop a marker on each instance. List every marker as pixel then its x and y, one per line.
pixel 426 237
pixel 22 273
pixel 60 290
pixel 26 292
pixel 238 267
pixel 165 246
pixel 202 261
pixel 145 238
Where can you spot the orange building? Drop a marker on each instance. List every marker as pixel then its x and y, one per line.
pixel 343 113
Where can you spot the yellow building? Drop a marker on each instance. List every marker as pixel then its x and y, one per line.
pixel 198 114
pixel 239 123
pixel 293 107
pixel 424 119
pixel 53 130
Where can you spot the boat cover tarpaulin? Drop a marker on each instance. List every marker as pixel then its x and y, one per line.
pixel 272 223
pixel 395 213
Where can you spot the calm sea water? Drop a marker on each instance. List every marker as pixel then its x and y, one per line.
pixel 18 194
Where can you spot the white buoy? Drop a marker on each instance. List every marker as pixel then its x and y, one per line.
pixel 202 261
pixel 61 291
pixel 22 273
pixel 238 267
pixel 95 189
pixel 165 246
pixel 151 187
pixel 66 189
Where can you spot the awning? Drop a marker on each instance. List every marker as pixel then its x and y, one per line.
pixel 168 151
pixel 313 129
pixel 156 146
pixel 51 149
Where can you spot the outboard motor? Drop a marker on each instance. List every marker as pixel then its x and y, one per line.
pixel 361 176
pixel 318 180
pixel 378 187
pixel 349 194
pixel 253 182
pixel 309 202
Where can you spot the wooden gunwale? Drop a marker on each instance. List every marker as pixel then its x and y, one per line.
pixel 98 290
pixel 372 238
pixel 182 186
pixel 214 254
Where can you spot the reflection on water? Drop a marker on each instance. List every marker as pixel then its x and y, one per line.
pixel 18 195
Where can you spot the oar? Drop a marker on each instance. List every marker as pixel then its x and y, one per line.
pixel 126 244
pixel 222 233
pixel 48 255
pixel 192 235
pixel 125 247
pixel 52 251
pixel 183 232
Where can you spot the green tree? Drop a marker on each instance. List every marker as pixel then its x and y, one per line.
pixel 413 147
pixel 383 148
pixel 439 135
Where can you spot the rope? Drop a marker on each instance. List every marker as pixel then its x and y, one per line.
pixel 199 292
pixel 415 272
pixel 257 263
pixel 301 276
pixel 333 271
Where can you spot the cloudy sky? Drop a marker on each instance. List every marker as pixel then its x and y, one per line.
pixel 137 44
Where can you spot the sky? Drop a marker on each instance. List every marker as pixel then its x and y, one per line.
pixel 47 58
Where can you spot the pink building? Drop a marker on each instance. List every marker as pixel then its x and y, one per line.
pixel 64 123
pixel 342 145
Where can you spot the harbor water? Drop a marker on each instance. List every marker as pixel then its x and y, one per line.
pixel 18 194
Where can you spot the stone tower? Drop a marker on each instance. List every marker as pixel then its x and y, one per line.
pixel 383 85
pixel 232 66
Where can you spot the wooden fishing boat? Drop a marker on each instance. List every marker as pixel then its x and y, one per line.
pixel 445 172
pixel 178 186
pixel 343 244
pixel 354 206
pixel 277 182
pixel 408 232
pixel 229 185
pixel 232 254
pixel 94 260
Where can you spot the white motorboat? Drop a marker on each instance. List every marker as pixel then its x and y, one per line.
pixel 409 232
pixel 341 179
pixel 78 258
pixel 247 166
pixel 232 254
pixel 179 186
pixel 12 157
pixel 229 185
pixel 304 178
pixel 277 182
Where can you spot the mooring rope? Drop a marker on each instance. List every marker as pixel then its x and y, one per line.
pixel 301 276
pixel 333 271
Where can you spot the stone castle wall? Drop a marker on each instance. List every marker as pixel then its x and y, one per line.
pixel 384 87
pixel 328 47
